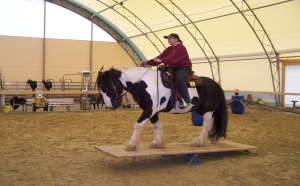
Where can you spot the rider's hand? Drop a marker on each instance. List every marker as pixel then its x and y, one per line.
pixel 157 60
pixel 143 63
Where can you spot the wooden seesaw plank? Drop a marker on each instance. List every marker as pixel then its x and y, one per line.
pixel 118 151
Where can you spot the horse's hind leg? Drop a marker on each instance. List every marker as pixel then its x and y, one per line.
pixel 214 139
pixel 207 125
pixel 158 141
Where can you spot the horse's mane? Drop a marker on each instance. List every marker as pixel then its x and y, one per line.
pixel 124 67
pixel 113 72
pixel 127 68
pixel 133 72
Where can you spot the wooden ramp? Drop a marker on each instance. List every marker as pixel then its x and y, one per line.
pixel 118 151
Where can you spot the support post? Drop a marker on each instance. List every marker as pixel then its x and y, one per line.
pixel 192 159
pixel 44 40
pixel 91 53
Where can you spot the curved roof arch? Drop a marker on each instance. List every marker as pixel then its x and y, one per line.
pixel 135 20
pixel 212 30
pixel 104 24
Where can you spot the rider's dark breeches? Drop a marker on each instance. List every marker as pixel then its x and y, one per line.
pixel 180 76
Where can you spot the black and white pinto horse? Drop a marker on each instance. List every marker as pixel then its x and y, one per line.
pixel 153 97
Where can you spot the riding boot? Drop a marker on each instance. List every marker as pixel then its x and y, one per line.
pixel 183 104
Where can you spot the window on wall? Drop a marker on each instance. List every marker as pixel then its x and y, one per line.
pixel 292 83
pixel 25 18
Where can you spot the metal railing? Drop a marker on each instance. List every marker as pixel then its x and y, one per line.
pixel 66 86
pixel 56 86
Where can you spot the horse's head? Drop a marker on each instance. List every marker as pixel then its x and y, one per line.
pixel 111 87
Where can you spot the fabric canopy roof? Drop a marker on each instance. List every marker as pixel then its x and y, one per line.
pixel 216 26
pixel 213 31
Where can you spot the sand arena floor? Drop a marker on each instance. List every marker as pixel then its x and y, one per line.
pixel 57 148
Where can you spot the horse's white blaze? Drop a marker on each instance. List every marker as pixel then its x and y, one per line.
pixel 107 100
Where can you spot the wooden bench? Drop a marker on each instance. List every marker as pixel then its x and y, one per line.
pixel 56 102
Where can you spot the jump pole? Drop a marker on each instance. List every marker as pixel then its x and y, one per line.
pixel 256 104
pixel 248 110
pixel 229 102
pixel 282 109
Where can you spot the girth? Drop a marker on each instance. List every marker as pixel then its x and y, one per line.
pixel 168 80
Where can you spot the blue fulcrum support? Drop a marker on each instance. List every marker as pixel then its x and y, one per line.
pixel 192 159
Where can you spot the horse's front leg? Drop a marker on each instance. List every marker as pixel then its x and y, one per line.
pixel 158 141
pixel 134 141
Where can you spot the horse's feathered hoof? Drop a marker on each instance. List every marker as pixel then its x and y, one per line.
pixel 130 148
pixel 197 143
pixel 132 145
pixel 213 141
pixel 155 145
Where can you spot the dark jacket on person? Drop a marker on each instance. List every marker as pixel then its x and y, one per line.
pixel 174 57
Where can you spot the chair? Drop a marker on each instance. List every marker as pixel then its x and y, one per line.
pixel 16 101
pixel 94 100
pixel 39 103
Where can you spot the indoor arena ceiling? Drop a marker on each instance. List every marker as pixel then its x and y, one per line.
pixel 212 30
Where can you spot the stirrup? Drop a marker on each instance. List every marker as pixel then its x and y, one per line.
pixel 182 106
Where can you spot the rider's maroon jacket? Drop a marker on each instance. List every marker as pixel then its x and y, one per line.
pixel 174 57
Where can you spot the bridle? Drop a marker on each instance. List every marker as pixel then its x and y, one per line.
pixel 118 98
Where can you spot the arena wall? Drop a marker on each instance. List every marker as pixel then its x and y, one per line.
pixel 22 58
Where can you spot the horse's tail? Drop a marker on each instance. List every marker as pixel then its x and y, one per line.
pixel 220 121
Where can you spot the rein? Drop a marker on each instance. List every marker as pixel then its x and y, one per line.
pixel 118 97
pixel 157 87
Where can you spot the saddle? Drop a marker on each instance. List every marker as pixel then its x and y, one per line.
pixel 168 81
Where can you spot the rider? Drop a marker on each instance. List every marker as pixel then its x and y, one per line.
pixel 177 58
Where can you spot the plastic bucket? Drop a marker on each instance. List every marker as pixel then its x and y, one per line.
pixel 197 119
pixel 236 106
pixel 6 109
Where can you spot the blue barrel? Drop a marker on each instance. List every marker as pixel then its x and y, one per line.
pixel 236 106
pixel 197 119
